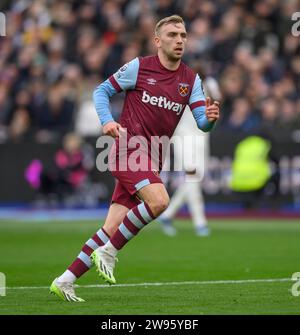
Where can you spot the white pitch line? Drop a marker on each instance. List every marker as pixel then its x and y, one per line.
pixel 207 282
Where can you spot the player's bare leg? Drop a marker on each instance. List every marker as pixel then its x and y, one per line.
pixel 156 196
pixel 155 201
pixel 115 217
pixel 63 286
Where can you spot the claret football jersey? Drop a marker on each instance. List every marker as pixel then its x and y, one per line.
pixel 155 96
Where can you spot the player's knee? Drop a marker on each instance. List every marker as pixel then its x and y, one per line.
pixel 159 204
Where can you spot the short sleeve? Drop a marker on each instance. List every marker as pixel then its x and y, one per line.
pixel 125 78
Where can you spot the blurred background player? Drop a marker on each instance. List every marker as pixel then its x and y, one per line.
pixel 195 159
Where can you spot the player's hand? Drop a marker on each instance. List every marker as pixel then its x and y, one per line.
pixel 212 110
pixel 113 129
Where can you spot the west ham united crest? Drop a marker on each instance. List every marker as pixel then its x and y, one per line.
pixel 183 89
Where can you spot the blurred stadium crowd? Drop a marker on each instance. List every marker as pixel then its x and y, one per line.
pixel 57 51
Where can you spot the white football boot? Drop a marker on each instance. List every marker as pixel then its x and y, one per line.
pixel 105 264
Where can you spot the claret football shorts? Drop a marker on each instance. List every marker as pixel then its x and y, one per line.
pixel 132 172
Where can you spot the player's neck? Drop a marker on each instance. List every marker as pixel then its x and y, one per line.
pixel 167 63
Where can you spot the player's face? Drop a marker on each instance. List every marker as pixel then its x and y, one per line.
pixel 172 40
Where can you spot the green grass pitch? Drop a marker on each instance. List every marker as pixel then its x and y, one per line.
pixel 157 274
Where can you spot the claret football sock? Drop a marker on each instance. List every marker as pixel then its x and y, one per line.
pixel 136 219
pixel 104 257
pixel 67 276
pixel 83 262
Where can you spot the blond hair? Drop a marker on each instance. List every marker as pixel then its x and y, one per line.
pixel 167 20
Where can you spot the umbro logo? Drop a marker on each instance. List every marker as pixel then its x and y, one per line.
pixel 151 81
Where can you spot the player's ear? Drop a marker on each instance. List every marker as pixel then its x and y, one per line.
pixel 157 41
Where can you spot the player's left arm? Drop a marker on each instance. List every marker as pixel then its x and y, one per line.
pixel 205 113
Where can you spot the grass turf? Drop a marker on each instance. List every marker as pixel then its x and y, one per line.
pixel 33 254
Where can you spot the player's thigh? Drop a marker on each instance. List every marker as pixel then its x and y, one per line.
pixel 156 196
pixel 115 217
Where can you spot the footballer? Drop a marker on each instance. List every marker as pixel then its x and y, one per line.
pixel 158 88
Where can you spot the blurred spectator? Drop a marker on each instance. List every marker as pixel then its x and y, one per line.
pixel 20 123
pixel 270 112
pixel 56 112
pixel 288 116
pixel 5 105
pixel 242 118
pixel 70 171
pixel 255 170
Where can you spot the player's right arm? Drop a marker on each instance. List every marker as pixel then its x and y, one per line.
pixel 124 79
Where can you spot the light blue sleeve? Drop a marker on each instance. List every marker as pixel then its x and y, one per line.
pixel 126 76
pixel 198 108
pixel 101 97
pixel 197 92
pixel 124 79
